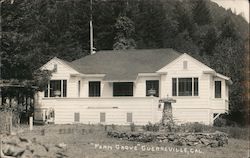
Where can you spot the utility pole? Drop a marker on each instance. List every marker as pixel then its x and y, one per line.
pixel 91 29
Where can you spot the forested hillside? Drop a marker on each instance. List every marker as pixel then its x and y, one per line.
pixel 32 32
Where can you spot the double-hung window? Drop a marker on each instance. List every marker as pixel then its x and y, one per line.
pixel 217 88
pixel 152 85
pixel 56 88
pixel 94 88
pixel 185 86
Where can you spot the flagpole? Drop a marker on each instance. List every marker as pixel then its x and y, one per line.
pixel 91 29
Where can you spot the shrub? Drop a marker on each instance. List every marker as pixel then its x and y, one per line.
pixel 151 127
pixel 105 127
pixel 220 122
pixel 235 132
pixel 195 127
pixel 113 127
pixel 132 127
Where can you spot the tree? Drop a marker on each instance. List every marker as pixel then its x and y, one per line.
pixel 124 28
pixel 206 37
pixel 149 24
pixel 201 13
pixel 184 43
pixel 228 29
pixel 184 18
pixel 227 59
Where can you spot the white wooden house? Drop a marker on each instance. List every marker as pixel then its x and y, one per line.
pixel 112 87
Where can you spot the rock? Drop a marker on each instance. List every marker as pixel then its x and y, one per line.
pixel 24 145
pixel 24 139
pixel 12 140
pixel 171 137
pixel 61 145
pixel 190 143
pixel 160 137
pixel 38 149
pixel 11 150
pixel 27 154
pixel 214 144
pixel 205 141
pixel 191 138
pixel 178 142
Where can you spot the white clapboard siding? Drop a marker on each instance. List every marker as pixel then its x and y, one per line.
pixel 191 115
pixel 116 109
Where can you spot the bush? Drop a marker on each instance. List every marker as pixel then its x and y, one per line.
pixel 195 127
pixel 220 122
pixel 225 120
pixel 235 132
pixel 113 127
pixel 151 127
pixel 132 127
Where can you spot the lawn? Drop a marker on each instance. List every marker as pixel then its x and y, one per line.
pixel 91 141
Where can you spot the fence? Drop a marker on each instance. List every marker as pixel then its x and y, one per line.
pixel 8 119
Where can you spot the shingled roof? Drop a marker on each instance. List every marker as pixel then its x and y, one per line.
pixel 124 64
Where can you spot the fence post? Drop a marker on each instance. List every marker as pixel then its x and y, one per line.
pixel 1 152
pixel 10 127
pixel 31 123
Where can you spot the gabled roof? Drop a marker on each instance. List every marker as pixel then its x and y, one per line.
pixel 121 65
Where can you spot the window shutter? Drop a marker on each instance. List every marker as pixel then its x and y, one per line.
pixel 129 117
pixel 102 117
pixel 185 64
pixel 77 117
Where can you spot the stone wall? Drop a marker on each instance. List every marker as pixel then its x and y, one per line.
pixel 12 146
pixel 215 139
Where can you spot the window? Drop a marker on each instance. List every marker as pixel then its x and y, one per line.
pixel 217 89
pixel 77 117
pixel 56 88
pixel 94 89
pixel 122 89
pixel 152 84
pixel 185 87
pixel 79 88
pixel 174 85
pixel 64 88
pixel 46 93
pixel 185 65
pixel 129 117
pixel 102 117
pixel 196 87
pixel 55 68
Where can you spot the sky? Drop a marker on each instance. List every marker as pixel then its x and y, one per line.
pixel 240 6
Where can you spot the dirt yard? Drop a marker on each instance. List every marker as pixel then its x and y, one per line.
pixel 89 141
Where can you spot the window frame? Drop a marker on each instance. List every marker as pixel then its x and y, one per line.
pixel 150 84
pixel 129 93
pixel 194 87
pixel 220 88
pixel 48 92
pixel 95 93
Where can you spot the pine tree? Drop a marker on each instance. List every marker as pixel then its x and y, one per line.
pixel 201 13
pixel 124 28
